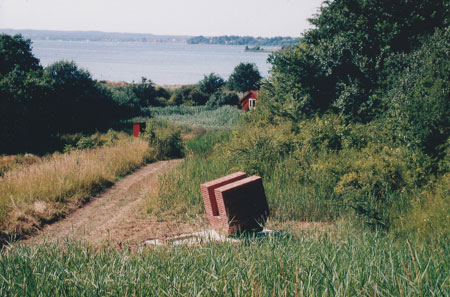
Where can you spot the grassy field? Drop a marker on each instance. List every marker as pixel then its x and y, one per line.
pixel 342 262
pixel 346 259
pixel 198 116
pixel 31 195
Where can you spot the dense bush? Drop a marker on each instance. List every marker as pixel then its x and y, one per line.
pixel 77 99
pixel 418 104
pixel 343 62
pixel 165 139
pixel 189 95
pixel 132 98
pixel 40 105
pixel 220 99
pixel 366 98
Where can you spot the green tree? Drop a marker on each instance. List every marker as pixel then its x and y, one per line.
pixel 245 77
pixel 419 102
pixel 25 124
pixel 211 83
pixel 146 93
pixel 219 99
pixel 189 95
pixel 78 99
pixel 15 53
pixel 342 63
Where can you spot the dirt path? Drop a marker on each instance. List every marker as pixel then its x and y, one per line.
pixel 117 215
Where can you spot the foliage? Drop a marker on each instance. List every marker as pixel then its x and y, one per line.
pixel 418 103
pixel 203 144
pixel 429 216
pixel 15 55
pixel 211 83
pixel 190 95
pixel 165 139
pixel 77 99
pixel 220 99
pixel 343 63
pixel 360 112
pixel 132 98
pixel 317 169
pixel 245 77
pixel 40 105
pixel 25 123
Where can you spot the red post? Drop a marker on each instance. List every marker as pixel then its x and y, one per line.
pixel 136 130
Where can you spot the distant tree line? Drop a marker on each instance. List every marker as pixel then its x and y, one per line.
pixel 244 40
pixel 94 36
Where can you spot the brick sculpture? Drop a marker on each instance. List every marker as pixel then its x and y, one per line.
pixel 235 203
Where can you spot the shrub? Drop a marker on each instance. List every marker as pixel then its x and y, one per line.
pixel 220 99
pixel 189 95
pixel 165 139
pixel 428 219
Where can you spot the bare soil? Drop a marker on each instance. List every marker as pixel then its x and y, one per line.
pixel 118 215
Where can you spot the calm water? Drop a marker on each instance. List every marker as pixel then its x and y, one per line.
pixel 163 63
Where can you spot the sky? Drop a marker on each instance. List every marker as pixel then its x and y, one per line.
pixel 266 18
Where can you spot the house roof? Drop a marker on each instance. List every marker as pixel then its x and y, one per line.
pixel 253 94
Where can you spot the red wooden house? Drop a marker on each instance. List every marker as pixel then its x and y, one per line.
pixel 248 102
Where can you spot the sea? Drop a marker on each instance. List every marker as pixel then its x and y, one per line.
pixel 162 63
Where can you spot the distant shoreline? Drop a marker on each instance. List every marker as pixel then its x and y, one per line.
pixel 148 38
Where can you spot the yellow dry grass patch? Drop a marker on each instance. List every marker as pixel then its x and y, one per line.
pixel 30 195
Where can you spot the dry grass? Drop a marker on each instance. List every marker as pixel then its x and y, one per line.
pixel 38 193
pixel 8 163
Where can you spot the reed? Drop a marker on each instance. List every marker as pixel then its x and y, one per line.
pixel 199 116
pixel 333 263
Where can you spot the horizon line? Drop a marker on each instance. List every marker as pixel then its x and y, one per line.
pixel 139 33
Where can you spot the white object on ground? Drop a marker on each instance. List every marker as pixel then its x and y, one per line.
pixel 206 236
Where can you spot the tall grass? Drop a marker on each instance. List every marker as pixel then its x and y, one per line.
pixel 198 116
pixel 30 194
pixel 8 163
pixel 317 169
pixel 330 264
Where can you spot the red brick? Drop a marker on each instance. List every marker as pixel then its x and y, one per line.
pixel 215 213
pixel 244 204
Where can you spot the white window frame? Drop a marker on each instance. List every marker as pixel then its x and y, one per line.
pixel 251 103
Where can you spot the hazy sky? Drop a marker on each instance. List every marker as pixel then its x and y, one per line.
pixel 176 17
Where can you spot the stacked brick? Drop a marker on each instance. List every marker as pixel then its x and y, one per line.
pixel 235 203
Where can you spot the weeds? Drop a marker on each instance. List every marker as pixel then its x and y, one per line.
pixel 329 264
